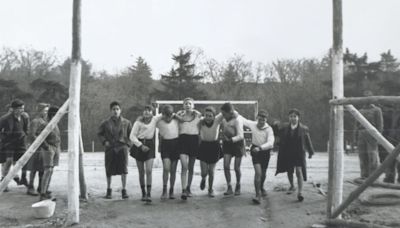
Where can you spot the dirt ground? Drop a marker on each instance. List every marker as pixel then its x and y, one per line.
pixel 277 210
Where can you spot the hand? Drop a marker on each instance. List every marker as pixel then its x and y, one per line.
pixel 107 144
pixel 145 148
pixel 256 149
pixel 227 139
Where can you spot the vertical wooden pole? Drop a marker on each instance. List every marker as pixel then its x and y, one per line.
pixel 336 153
pixel 82 180
pixel 73 117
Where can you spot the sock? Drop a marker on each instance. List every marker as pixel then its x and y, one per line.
pixel 164 188
pixel 143 190
pixel 148 190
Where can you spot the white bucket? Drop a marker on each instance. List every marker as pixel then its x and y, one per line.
pixel 44 209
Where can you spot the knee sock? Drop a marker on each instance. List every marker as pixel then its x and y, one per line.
pixel 148 190
pixel 143 189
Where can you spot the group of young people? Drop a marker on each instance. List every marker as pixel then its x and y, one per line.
pixel 188 135
pixel 16 133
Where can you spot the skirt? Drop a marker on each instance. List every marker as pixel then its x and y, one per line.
pixel 116 160
pixel 189 144
pixel 169 149
pixel 235 149
pixel 210 152
pixel 139 155
pixel 50 156
pixel 35 163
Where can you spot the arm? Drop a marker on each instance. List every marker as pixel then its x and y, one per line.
pixel 239 131
pixel 134 133
pixel 219 118
pixel 270 140
pixel 101 133
pixel 379 120
pixel 309 145
pixel 128 131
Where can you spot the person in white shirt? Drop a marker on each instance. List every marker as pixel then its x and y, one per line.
pixel 142 137
pixel 262 140
pixel 169 134
pixel 233 145
pixel 210 150
pixel 189 121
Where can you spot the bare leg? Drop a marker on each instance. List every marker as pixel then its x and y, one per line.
pixel 123 181
pixel 184 162
pixel 227 172
pixel 140 166
pixel 299 175
pixel 172 178
pixel 192 161
pixel 211 169
pixel 166 170
pixel 204 172
pixel 149 171
pixel 238 161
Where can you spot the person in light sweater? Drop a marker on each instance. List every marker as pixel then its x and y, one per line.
pixel 233 145
pixel 189 122
pixel 210 150
pixel 142 137
pixel 169 135
pixel 262 139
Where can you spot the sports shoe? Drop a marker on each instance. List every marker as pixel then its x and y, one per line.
pixel 228 191
pixel 184 195
pixel 171 194
pixel 124 194
pixel 148 198
pixel 211 193
pixel 164 195
pixel 300 197
pixel 188 192
pixel 237 190
pixel 203 184
pixel 31 191
pixel 108 195
pixel 23 181
pixel 256 200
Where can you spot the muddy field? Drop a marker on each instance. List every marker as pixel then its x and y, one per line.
pixel 277 210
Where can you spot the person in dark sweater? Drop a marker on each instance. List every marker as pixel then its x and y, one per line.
pixel 294 141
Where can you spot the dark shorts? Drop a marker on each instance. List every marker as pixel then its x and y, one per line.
pixel 116 160
pixel 169 149
pixel 210 152
pixel 15 155
pixel 189 144
pixel 35 163
pixel 139 155
pixel 50 156
pixel 235 149
pixel 3 156
pixel 261 157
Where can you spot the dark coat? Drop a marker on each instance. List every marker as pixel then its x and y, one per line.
pixel 7 135
pixel 287 160
pixel 115 135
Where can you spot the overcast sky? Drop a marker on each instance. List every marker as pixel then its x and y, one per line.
pixel 115 33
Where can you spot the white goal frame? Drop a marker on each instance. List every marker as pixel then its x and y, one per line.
pixel 210 102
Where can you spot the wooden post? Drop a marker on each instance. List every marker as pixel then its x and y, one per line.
pixel 34 146
pixel 73 117
pixel 82 181
pixel 389 100
pixel 336 165
pixel 331 159
pixel 375 175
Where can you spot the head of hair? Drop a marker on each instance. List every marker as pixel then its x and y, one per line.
pixel 17 103
pixel 114 103
pixel 188 99
pixel 262 113
pixel 294 111
pixel 227 107
pixel 211 109
pixel 167 110
pixel 42 106
pixel 52 111
pixel 149 108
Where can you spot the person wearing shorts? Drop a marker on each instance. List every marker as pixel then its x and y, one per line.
pixel 262 139
pixel 35 164
pixel 189 122
pixel 233 145
pixel 210 150
pixel 142 137
pixel 50 155
pixel 169 135
pixel 114 134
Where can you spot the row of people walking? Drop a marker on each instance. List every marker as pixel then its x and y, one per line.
pixel 188 135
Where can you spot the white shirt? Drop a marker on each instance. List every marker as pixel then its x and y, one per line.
pixel 263 137
pixel 210 134
pixel 168 130
pixel 237 124
pixel 141 130
pixel 190 127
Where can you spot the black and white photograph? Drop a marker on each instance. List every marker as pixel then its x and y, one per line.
pixel 189 113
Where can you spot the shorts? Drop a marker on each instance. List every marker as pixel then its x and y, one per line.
pixel 35 163
pixel 261 157
pixel 50 156
pixel 116 160
pixel 189 144
pixel 235 149
pixel 3 156
pixel 210 152
pixel 139 155
pixel 169 149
